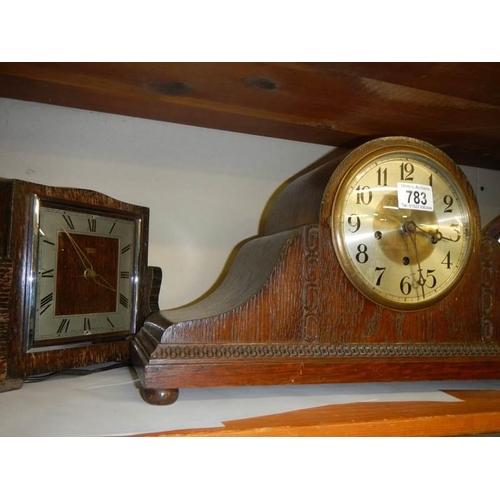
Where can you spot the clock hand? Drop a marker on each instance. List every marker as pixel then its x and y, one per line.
pixel 89 272
pixel 81 254
pixel 437 235
pixel 434 236
pixel 98 279
pixel 409 228
pixel 441 237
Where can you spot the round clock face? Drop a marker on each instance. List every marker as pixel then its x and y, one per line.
pixel 85 265
pixel 402 227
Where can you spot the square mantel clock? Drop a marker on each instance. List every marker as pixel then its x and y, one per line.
pixel 73 269
pixel 372 267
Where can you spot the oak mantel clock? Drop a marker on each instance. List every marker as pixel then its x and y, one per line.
pixel 72 274
pixel 371 267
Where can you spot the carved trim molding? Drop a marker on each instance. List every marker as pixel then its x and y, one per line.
pixel 5 288
pixel 487 305
pixel 147 343
pixel 310 291
pixel 279 351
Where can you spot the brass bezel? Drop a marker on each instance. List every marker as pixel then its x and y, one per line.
pixel 348 170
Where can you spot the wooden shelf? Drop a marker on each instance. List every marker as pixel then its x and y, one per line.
pixel 455 106
pixel 478 413
pixel 87 406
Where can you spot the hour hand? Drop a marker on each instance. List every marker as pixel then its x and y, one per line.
pixel 90 274
pixel 436 235
pixel 453 240
pixel 433 234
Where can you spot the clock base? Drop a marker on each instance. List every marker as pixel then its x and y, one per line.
pixel 242 364
pixel 11 384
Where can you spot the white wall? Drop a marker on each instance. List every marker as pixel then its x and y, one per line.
pixel 206 189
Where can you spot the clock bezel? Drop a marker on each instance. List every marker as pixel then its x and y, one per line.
pixel 31 344
pixel 347 171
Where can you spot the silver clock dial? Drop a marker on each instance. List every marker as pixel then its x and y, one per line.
pixel 84 276
pixel 401 227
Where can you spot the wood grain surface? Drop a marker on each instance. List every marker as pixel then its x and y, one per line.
pixel 455 106
pixel 478 412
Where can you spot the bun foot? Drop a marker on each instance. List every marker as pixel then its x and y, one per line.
pixel 161 397
pixel 11 384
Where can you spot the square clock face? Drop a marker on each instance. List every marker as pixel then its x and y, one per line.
pixel 83 281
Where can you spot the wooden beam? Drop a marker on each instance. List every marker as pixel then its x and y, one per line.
pixel 455 106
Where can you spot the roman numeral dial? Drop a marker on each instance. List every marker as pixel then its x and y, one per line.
pixel 85 285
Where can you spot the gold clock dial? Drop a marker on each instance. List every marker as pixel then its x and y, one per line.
pixel 402 225
pixel 84 274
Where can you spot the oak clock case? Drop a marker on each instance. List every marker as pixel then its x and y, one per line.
pixel 73 269
pixel 371 267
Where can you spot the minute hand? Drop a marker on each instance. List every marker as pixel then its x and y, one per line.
pixel 409 229
pixel 81 254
